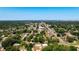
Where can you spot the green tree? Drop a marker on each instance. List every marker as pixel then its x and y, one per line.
pixel 29 47
pixel 12 48
pixel 70 39
pixel 60 30
pixel 38 38
pixel 52 40
pixel 72 48
pixel 9 42
pixel 56 47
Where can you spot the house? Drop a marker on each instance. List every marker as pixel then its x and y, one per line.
pixel 37 47
pixel 44 45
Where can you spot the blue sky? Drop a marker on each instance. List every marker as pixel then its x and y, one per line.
pixel 39 13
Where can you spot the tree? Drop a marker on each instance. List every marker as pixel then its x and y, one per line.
pixel 52 40
pixel 72 48
pixel 56 47
pixel 29 47
pixel 61 30
pixel 38 38
pixel 25 30
pixel 75 33
pixel 70 39
pixel 0 39
pixel 9 42
pixel 48 48
pixel 29 38
pixel 12 48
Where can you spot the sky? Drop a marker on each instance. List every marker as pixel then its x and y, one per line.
pixel 39 13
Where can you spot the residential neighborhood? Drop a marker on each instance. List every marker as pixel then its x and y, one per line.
pixel 39 36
